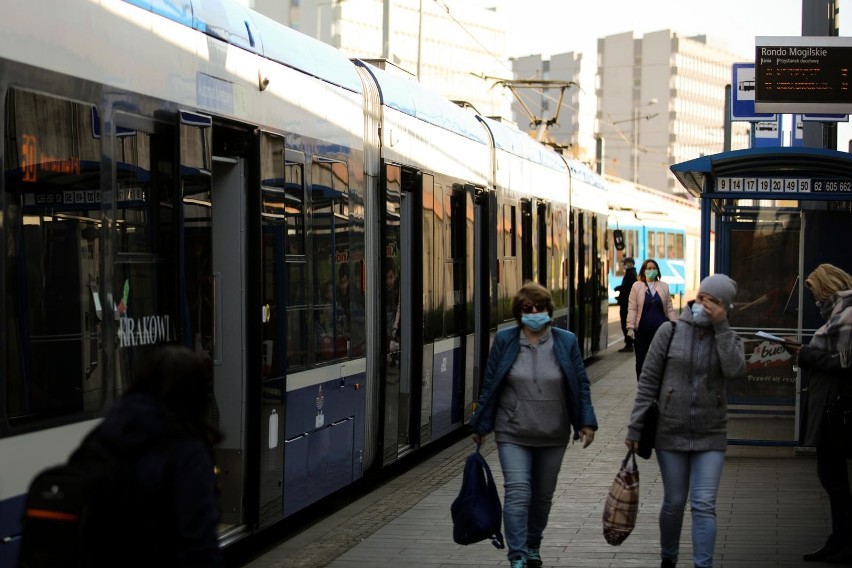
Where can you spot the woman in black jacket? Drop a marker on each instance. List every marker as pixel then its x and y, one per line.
pixel 828 357
pixel 161 426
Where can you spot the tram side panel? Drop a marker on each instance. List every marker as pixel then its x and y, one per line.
pixel 433 171
pixel 588 258
pixel 139 289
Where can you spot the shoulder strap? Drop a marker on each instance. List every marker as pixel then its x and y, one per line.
pixel 666 358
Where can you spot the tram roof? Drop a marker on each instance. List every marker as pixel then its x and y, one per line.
pixel 413 99
pixel 510 138
pixel 244 28
pixel 759 162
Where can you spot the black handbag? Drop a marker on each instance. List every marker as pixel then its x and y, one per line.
pixel 649 431
pixel 649 426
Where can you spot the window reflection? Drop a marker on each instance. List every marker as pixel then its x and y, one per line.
pixel 52 217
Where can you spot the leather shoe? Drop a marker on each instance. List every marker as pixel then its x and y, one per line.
pixel 842 557
pixel 822 554
pixel 626 349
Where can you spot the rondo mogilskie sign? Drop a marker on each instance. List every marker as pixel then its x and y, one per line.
pixel 803 74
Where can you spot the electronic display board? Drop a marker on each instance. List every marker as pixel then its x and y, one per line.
pixel 803 74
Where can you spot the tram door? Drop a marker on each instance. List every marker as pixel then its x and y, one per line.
pixel 214 209
pixel 404 315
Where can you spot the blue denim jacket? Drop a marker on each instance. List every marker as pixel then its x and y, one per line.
pixel 501 358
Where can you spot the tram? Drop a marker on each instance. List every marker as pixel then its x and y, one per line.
pixel 337 242
pixel 657 225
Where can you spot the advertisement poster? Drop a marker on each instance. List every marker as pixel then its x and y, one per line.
pixel 770 377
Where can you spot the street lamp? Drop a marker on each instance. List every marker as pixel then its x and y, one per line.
pixel 636 119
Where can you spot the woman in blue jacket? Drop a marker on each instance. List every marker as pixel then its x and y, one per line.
pixel 534 393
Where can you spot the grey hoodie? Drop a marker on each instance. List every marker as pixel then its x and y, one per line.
pixel 693 391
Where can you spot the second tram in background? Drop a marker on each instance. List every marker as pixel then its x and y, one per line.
pixel 654 225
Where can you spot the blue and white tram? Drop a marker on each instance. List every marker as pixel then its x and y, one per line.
pixel 174 172
pixel 660 240
pixel 658 225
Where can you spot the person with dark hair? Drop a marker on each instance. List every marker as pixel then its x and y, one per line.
pixel 534 393
pixel 162 422
pixel 828 360
pixel 623 290
pixel 648 307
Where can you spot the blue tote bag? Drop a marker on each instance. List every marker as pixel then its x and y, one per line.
pixel 477 513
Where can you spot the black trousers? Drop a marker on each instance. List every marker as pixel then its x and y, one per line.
pixel 622 312
pixel 834 477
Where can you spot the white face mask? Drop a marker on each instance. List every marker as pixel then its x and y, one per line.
pixel 699 316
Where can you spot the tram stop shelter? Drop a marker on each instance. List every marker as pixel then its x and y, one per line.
pixel 769 216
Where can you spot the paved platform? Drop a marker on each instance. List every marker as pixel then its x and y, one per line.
pixel 771 508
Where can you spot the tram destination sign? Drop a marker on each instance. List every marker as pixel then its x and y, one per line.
pixel 782 185
pixel 803 74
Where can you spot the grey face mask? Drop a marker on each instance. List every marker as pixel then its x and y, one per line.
pixel 699 316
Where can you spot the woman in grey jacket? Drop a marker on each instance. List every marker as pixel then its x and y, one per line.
pixel 534 392
pixel 688 377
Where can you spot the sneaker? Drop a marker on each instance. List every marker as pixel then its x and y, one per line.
pixel 518 563
pixel 533 558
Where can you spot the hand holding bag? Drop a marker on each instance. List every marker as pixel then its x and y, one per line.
pixel 652 415
pixel 622 502
pixel 477 513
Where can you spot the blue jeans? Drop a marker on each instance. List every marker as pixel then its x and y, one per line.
pixel 695 475
pixel 529 479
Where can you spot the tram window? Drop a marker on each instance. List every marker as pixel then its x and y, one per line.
pixel 282 183
pixel 454 262
pixel 195 160
pixel 144 279
pixel 53 258
pixel 510 231
pixel 631 242
pixel 294 186
pixel 661 245
pixel 671 246
pixel 336 284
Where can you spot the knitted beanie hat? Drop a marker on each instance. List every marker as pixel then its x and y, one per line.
pixel 720 287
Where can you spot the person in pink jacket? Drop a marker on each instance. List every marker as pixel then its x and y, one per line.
pixel 648 307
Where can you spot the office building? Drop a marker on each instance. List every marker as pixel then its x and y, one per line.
pixel 543 104
pixel 661 100
pixel 455 48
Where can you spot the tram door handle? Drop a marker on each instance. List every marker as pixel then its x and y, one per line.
pixel 217 318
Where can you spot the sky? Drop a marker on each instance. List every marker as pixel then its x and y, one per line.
pixel 558 26
pixel 549 27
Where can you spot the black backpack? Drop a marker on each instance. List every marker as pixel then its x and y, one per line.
pixel 476 512
pixel 75 513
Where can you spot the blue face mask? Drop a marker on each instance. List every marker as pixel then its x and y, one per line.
pixel 651 274
pixel 535 322
pixel 699 316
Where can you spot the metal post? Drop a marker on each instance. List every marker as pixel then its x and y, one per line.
pixel 419 39
pixel 726 147
pixel 819 18
pixel 636 145
pixel 386 48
